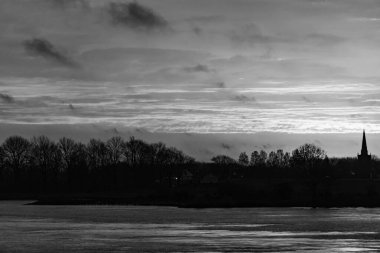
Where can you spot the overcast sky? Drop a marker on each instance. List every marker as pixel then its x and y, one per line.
pixel 209 76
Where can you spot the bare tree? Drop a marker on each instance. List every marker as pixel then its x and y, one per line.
pixel 308 156
pixel 138 152
pixel 158 153
pixel 16 154
pixel 67 147
pixel 115 149
pixel 97 154
pixel 46 156
pixel 223 159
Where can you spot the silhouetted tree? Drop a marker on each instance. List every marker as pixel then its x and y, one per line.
pixel 286 160
pixel 158 153
pixel 144 153
pixel 67 148
pixel 131 148
pixel 223 160
pixel 255 157
pixel 308 156
pixel 280 158
pixel 97 154
pixel 46 156
pixel 79 166
pixel 16 155
pixel 115 149
pixel 2 164
pixel 73 159
pixel 272 159
pixel 243 159
pixel 262 157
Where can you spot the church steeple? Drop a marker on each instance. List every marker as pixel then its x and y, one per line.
pixel 364 156
pixel 364 150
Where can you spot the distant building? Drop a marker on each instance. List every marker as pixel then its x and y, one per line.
pixel 364 156
pixel 365 161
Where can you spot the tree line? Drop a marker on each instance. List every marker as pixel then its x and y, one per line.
pixel 42 165
pixel 306 161
pixel 46 165
pixel 306 156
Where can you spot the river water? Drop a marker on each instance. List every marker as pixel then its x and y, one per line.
pixel 25 228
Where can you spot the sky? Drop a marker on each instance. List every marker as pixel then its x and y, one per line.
pixel 207 76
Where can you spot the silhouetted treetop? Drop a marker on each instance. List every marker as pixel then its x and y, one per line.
pixel 223 159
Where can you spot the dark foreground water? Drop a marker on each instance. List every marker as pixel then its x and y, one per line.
pixel 168 229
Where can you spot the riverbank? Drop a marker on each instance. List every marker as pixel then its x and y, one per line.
pixel 254 193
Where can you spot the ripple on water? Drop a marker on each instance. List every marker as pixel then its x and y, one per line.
pixel 150 229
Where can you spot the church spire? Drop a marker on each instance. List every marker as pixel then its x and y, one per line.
pixel 364 150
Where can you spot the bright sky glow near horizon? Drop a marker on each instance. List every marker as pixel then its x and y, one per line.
pixel 193 68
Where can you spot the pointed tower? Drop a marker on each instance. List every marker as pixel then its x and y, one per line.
pixel 364 156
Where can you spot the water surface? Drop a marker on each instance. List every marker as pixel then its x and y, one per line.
pixel 168 229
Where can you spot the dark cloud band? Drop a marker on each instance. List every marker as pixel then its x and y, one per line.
pixel 44 48
pixel 6 98
pixel 136 16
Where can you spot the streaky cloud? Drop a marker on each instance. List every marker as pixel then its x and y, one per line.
pixel 244 98
pixel 63 4
pixel 44 48
pixel 136 16
pixel 6 98
pixel 198 68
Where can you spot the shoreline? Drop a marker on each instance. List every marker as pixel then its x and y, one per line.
pixel 198 205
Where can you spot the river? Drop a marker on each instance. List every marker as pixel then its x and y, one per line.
pixel 26 228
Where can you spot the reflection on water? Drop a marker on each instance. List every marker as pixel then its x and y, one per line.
pixel 167 229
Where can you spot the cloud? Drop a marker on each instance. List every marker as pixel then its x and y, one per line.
pixel 306 99
pixel 69 4
pixel 207 19
pixel 251 35
pixel 198 68
pixel 244 98
pixel 71 107
pixel 365 19
pixel 136 16
pixel 226 146
pixel 6 98
pixel 197 30
pixel 143 64
pixel 45 49
pixel 322 39
pixel 220 85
